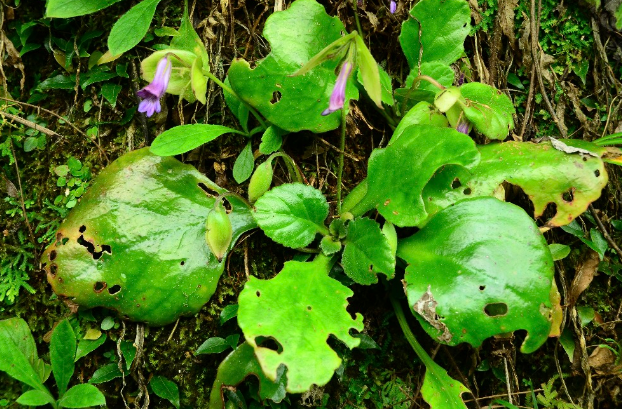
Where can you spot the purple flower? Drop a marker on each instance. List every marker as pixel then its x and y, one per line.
pixel 152 93
pixel 463 126
pixel 392 7
pixel 338 96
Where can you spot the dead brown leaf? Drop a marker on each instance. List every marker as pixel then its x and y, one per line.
pixel 603 361
pixel 584 276
pixel 506 19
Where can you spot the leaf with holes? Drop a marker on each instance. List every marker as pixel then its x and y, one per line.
pixel 488 109
pixel 236 367
pixel 440 390
pixel 443 31
pixel 135 242
pixel 292 214
pixel 316 308
pixel 547 175
pixel 293 103
pixel 478 269
pixel 398 173
pixel 367 252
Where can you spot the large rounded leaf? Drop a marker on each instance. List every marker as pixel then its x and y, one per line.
pixel 293 103
pixel 444 28
pixel 398 173
pixel 478 269
pixel 136 241
pixel 292 214
pixel 547 175
pixel 299 308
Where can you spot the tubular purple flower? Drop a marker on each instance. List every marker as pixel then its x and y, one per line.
pixel 338 96
pixel 152 93
pixel 463 127
pixel 392 7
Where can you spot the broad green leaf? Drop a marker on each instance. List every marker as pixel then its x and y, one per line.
pixel 135 243
pixel 19 357
pixel 478 269
pixel 567 341
pixel 35 398
pixel 546 175
pixel 398 173
pixel 488 109
pixel 244 164
pixel 292 214
pixel 559 251
pixel 238 365
pixel 316 308
pixel 229 312
pixel 82 396
pixel 329 246
pixel 421 114
pixel 293 103
pixel 62 354
pixel 74 8
pixel 105 373
pixel 367 252
pixel 368 68
pixel 184 138
pixel 271 140
pixel 128 350
pixel 440 390
pixel 131 27
pixel 214 345
pixel 165 389
pixel 443 31
pixel 110 92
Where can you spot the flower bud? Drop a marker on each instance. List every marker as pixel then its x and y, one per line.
pixel 260 181
pixel 219 231
pixel 447 98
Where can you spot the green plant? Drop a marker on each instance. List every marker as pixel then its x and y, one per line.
pixel 148 212
pixel 19 360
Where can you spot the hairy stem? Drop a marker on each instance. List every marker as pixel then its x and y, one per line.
pixel 342 146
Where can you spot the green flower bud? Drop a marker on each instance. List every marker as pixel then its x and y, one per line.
pixel 219 231
pixel 260 181
pixel 447 98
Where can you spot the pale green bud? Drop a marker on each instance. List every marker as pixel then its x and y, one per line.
pixel 219 231
pixel 260 181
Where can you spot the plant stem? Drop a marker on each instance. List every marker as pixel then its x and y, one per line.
pixel 342 146
pixel 430 80
pixel 410 337
pixel 356 17
pixel 230 91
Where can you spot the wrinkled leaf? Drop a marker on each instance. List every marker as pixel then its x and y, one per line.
pixel 398 173
pixel 478 269
pixel 316 309
pixel 488 109
pixel 444 30
pixel 292 214
pixel 293 103
pixel 367 252
pixel 235 368
pixel 135 243
pixel 184 138
pixel 131 27
pixel 545 174
pixel 165 389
